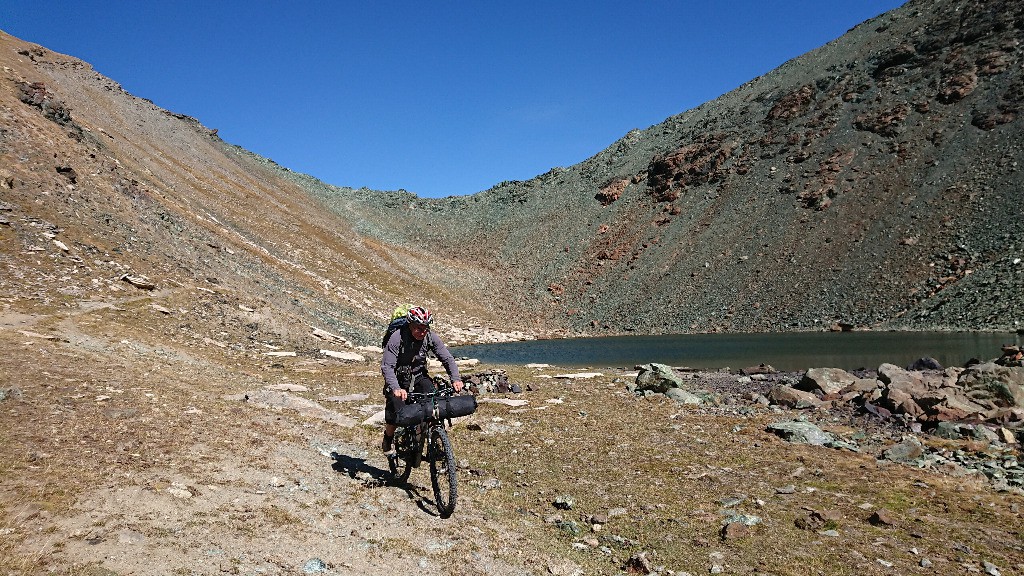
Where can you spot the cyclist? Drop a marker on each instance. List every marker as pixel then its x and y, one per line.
pixel 404 366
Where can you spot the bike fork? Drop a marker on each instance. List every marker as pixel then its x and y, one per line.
pixel 418 454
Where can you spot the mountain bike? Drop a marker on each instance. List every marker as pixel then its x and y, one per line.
pixel 429 440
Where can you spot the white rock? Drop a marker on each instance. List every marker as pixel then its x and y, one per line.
pixel 579 375
pixel 213 342
pixel 325 335
pixel 287 387
pixel 374 420
pixel 505 401
pixel 179 491
pixel 351 356
pixel 138 281
pixel 279 353
pixel 31 334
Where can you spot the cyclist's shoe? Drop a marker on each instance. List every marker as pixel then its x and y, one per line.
pixel 386 445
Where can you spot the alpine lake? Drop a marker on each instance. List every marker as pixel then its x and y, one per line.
pixel 790 352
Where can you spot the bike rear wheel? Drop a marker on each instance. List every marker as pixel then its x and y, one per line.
pixel 405 451
pixel 442 471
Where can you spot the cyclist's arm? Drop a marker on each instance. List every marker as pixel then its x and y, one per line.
pixel 446 358
pixel 390 361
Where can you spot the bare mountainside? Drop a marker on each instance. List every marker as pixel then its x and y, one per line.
pixel 96 184
pixel 874 182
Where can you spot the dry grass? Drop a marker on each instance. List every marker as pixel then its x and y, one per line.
pixel 674 471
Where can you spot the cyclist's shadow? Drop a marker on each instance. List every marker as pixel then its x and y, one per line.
pixel 353 467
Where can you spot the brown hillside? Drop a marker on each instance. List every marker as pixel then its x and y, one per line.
pixel 129 188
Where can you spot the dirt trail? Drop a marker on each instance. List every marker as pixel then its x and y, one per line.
pixel 125 456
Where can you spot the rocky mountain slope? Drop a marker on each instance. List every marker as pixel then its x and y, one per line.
pixel 96 184
pixel 874 182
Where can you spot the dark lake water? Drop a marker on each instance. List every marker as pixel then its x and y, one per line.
pixel 786 351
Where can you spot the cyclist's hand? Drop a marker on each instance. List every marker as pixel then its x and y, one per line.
pixel 401 394
pixel 457 385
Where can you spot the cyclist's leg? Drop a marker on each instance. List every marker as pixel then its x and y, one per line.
pixel 392 405
pixel 423 384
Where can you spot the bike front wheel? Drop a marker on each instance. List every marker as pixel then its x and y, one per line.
pixel 442 471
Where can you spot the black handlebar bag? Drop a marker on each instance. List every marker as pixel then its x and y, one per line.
pixel 413 413
pixel 455 406
pixel 423 409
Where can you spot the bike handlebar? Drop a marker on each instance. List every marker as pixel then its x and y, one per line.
pixel 446 390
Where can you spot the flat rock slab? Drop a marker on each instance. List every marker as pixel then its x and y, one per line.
pixel 347 398
pixel 374 420
pixel 349 356
pixel 505 401
pixel 283 400
pixel 287 388
pixel 578 375
pixel 801 433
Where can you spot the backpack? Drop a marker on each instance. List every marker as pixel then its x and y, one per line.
pixel 398 321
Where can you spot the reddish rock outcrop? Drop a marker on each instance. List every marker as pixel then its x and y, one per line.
pixel 697 163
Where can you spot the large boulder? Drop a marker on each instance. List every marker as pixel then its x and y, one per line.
pixel 657 378
pixel 907 451
pixel 799 432
pixel 683 397
pixel 951 405
pixel 994 386
pixel 790 397
pixel 827 380
pixel 889 374
pixel 926 396
pixel 926 363
pixel 899 401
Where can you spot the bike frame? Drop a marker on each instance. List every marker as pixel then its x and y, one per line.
pixel 439 453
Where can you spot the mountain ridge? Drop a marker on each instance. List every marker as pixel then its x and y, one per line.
pixel 837 155
pixel 845 189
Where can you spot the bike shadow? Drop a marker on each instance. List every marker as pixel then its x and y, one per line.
pixel 424 503
pixel 352 467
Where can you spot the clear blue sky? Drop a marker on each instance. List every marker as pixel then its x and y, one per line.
pixel 438 98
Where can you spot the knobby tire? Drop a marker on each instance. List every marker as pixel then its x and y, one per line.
pixel 401 462
pixel 442 471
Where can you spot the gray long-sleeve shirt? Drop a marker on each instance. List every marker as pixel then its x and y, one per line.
pixel 414 355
